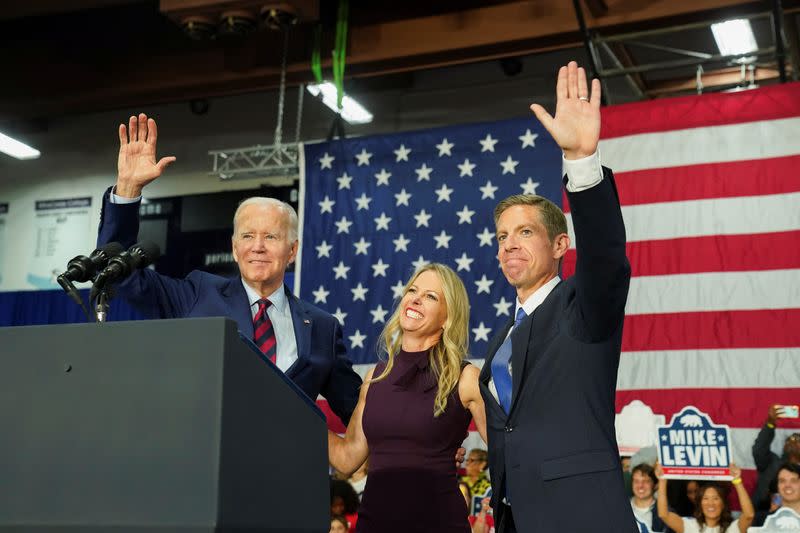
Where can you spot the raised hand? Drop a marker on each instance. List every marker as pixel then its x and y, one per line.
pixel 136 165
pixel 736 472
pixel 576 125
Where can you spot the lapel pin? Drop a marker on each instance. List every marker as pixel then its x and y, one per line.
pixel 306 321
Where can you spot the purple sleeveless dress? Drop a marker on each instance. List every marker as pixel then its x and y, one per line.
pixel 412 483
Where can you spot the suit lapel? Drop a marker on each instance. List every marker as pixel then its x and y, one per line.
pixel 301 319
pixel 521 344
pixel 491 350
pixel 239 304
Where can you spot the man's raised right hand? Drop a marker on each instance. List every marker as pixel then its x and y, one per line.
pixel 136 165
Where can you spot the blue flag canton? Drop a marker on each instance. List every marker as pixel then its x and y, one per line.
pixel 376 208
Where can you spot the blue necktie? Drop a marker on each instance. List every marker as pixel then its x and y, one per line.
pixel 500 373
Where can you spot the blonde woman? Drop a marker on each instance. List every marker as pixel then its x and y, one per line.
pixel 413 412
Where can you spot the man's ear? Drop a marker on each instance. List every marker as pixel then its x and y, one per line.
pixel 560 245
pixel 293 253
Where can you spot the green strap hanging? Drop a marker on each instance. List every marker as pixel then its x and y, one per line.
pixel 340 51
pixel 316 56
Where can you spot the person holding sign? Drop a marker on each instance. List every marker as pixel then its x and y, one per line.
pixel 712 514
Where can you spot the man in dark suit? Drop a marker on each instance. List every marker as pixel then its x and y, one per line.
pixel 302 340
pixel 550 375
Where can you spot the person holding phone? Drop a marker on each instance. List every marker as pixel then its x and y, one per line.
pixel 768 462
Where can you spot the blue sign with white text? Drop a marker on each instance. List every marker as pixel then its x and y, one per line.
pixel 693 447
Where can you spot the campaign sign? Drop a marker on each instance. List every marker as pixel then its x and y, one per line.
pixel 784 520
pixel 693 447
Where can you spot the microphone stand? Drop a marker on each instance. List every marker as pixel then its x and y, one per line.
pixel 101 306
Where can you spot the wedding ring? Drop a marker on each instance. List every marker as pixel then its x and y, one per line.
pixel 583 98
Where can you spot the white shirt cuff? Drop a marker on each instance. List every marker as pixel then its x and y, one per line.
pixel 121 199
pixel 582 173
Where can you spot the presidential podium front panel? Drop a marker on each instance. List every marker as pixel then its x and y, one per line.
pixel 155 426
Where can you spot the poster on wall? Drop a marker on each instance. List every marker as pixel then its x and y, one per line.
pixel 62 230
pixel 3 216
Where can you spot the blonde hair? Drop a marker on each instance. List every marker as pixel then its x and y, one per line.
pixel 446 356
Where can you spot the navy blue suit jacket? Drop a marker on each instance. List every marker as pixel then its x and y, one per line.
pixel 322 366
pixel 556 450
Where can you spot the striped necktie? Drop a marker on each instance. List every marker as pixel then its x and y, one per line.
pixel 264 333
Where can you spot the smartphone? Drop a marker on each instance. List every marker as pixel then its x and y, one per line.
pixel 789 411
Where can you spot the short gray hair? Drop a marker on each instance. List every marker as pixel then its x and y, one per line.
pixel 288 210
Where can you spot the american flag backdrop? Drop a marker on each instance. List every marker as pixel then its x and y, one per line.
pixel 377 207
pixel 710 193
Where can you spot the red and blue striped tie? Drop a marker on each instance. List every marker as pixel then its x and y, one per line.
pixel 264 333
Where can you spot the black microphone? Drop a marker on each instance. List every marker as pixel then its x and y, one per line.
pixel 120 267
pixel 82 268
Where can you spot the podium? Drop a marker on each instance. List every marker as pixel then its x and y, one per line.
pixel 155 426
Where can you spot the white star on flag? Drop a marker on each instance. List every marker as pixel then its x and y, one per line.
pixel 325 161
pixel 401 243
pixel 422 218
pixel 529 187
pixel 343 225
pixel 362 202
pixel 363 157
pixel 486 237
pixel 487 144
pixel 528 138
pixel 484 284
pixel 419 263
pixel 463 262
pixel 321 295
pixel 402 198
pixel 481 333
pixel 424 173
pixel 361 246
pixel 326 205
pixel 397 290
pixel 443 193
pixel 402 153
pixel 487 191
pixel 383 177
pixel 465 215
pixel 359 292
pixel 378 314
pixel 357 339
pixel 344 181
pixel 340 315
pixel 379 268
pixel 442 240
pixel 509 166
pixel 382 222
pixel 503 307
pixel 323 249
pixel 340 271
pixel 444 147
pixel 465 168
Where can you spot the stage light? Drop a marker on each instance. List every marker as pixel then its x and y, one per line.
pixel 734 37
pixel 15 148
pixel 352 111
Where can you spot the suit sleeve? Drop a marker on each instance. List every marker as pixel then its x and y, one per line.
pixel 343 385
pixel 602 273
pixel 150 293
